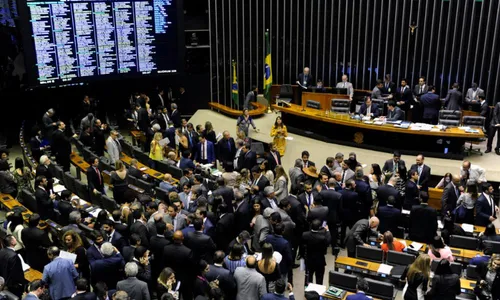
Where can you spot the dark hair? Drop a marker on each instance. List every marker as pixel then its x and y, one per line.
pixel 276 217
pixel 34 220
pixel 219 257
pixel 279 228
pixel 431 87
pixel 315 224
pixel 305 152
pixel 39 179
pixel 280 286
pixel 15 219
pixel 490 230
pixel 236 251
pixel 101 290
pixel 198 224
pixel 437 243
pixel 311 295
pixel 448 224
pixel 19 164
pixel 134 239
pixel 36 284
pixel 161 227
pixel 362 285
pixel 81 284
pixel 443 268
pixel 202 265
pixel 139 251
pixel 391 103
pixel 377 172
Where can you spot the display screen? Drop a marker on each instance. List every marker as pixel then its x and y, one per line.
pixel 79 40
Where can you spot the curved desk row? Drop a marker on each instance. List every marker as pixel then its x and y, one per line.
pixel 259 109
pixel 341 129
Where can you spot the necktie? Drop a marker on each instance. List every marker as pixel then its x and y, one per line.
pixel 344 84
pixel 387 86
pixel 308 199
pixel 118 146
pixel 275 157
pixel 457 192
pixel 229 145
pixel 395 168
pixel 402 90
pixel 190 139
pixel 343 176
pixel 419 172
pixel 98 174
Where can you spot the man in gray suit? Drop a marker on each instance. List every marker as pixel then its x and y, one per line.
pixel 394 113
pixel 344 84
pixel 135 288
pixel 453 99
pixel 87 122
pixel 296 176
pixel 175 221
pixel 113 147
pixel 421 88
pixel 251 284
pixel 261 229
pixel 472 96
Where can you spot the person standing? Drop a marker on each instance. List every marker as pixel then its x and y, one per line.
pixel 453 99
pixel 10 267
pixel 494 128
pixel 430 104
pixel 344 84
pixel 60 274
pixel 417 278
pixel 244 122
pixel 61 146
pixel 316 242
pixel 251 97
pixel 279 134
pixel 251 284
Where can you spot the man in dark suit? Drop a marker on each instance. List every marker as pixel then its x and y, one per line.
pixel 350 207
pixel 99 139
pixel 242 212
pixel 404 96
pixel 36 145
pixel 205 152
pixel 10 267
pixel 108 268
pixel 82 290
pixel 273 157
pixel 359 234
pixel 294 209
pixel 411 190
pixel 202 245
pixel 369 108
pixel 248 157
pixel 186 162
pixel 114 237
pixel 332 200
pixel 453 100
pixel 328 168
pixel 260 181
pixel 364 193
pixel 387 190
pixel 305 79
pixel 316 242
pixel 486 210
pixel 393 165
pixel 49 125
pixel 394 113
pixel 485 111
pixel 226 149
pixel 43 198
pixel 268 199
pixel 133 170
pixel 61 146
pixel 421 88
pixel 94 177
pixel 139 227
pixel 317 211
pixel 389 86
pixel 423 221
pixel 180 258
pixel 223 275
pixel 308 196
pixel 431 104
pixel 162 118
pixel 175 116
pixel 451 193
pixel 227 193
pixel 36 242
pixel 224 228
pixel 143 116
pixel 306 163
pixel 424 173
pixel 389 216
pixel 156 245
pixel 494 128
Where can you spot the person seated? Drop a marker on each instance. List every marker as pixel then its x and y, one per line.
pixel 369 109
pixel 439 250
pixel 489 234
pixel 389 243
pixel 450 228
pixel 479 259
pixel 394 113
pixel 319 88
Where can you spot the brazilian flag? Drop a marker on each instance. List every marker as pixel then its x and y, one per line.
pixel 268 75
pixel 234 89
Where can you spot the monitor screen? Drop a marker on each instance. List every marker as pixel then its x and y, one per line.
pixel 74 41
pixel 339 91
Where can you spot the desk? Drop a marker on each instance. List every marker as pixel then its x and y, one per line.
pixel 276 88
pixel 356 265
pixel 9 202
pixel 341 129
pixel 137 136
pixel 144 169
pixel 32 275
pixel 80 164
pixel 467 286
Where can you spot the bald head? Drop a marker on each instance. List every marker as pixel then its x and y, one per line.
pixel 251 262
pixel 374 221
pixel 178 236
pixel 466 165
pixel 306 71
pixel 456 179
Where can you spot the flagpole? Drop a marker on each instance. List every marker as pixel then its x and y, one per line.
pixel 268 75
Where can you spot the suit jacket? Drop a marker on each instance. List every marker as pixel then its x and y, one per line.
pixel 449 198
pixel 226 280
pixel 133 171
pixel 308 79
pixel 44 203
pixel 87 139
pixel 94 180
pixel 281 245
pixel 274 296
pixel 118 241
pixel 227 194
pixel 61 145
pixel 390 218
pixel 348 86
pixel 180 259
pixel 35 145
pixel 453 100
pixel 180 220
pixel 85 296
pixel 296 177
pixel 262 183
pixel 470 95
pixel 374 109
pixel 332 200
pixel 143 121
pixel 485 112
pixel 431 105
pixel 377 93
pixel 350 207
pixel 396 114
pixel 423 223
pixel 405 95
pixel 383 193
pixel 365 196
pixel 202 245
pixel 419 92
pixel 86 122
pixel 113 150
pixel 425 176
pixel 36 243
pixel 141 229
pixel 389 165
pixel 272 161
pixel 175 116
pixel 243 216
pixel 316 244
pixel 60 274
pixel 210 152
pixel 247 160
pixel 226 150
pixel 318 212
pixel 495 116
pixel 261 229
pixel 359 234
pixel 135 288
pixel 358 296
pixel 225 231
pixel 47 126
pixel 11 269
pixel 484 211
pixel 411 195
pixel 108 269
pixel 349 174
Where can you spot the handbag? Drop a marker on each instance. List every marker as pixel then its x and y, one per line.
pixel 482 292
pixel 460 212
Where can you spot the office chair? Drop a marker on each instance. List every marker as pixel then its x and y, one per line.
pixel 69 182
pixel 286 95
pixel 474 122
pixel 341 106
pixel 342 280
pixel 380 289
pixel 450 117
pixel 29 200
pixel 109 204
pixel 175 171
pixel 464 242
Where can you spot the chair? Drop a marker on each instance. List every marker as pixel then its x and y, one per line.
pixel 131 180
pixel 494 246
pixel 474 122
pixel 127 148
pixel 109 204
pixel 369 253
pixel 69 182
pixel 399 258
pixel 146 186
pixel 79 146
pixel 313 104
pixel 471 273
pixel 29 200
pixel 464 242
pixel 380 103
pixel 59 173
pixel 434 264
pixel 175 171
pixel 380 290
pixel 456 268
pixel 104 164
pixel 161 167
pixel 95 199
pixel 140 156
pixel 162 195
pixel 341 106
pixel 82 190
pixel 286 95
pixel 342 280
pixel 449 117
